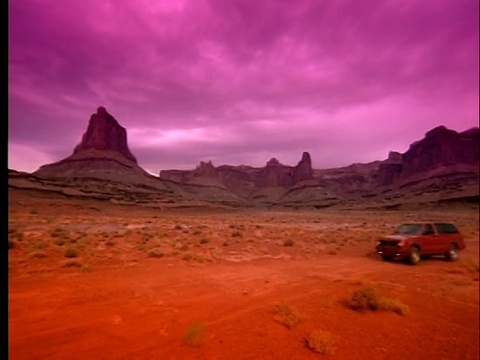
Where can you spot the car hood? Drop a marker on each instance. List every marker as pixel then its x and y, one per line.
pixel 397 237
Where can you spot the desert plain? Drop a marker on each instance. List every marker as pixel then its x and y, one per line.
pixel 88 279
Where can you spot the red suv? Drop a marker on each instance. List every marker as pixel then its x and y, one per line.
pixel 411 241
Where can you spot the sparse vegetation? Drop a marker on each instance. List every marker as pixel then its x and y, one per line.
pixel 288 242
pixel 156 253
pixel 38 255
pixel 59 241
pixel 204 241
pixel 393 305
pixel 195 334
pixel 72 263
pixel 236 234
pixel 287 315
pixel 366 298
pixel 322 342
pixel 70 253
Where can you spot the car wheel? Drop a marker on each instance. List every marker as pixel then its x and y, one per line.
pixel 414 256
pixel 386 258
pixel 452 254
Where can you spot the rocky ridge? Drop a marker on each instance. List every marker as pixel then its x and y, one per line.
pixel 442 166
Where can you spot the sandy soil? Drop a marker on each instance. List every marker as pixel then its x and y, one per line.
pixel 92 280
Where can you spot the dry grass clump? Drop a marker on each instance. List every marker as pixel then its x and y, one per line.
pixel 287 315
pixel 156 253
pixel 363 299
pixel 322 342
pixel 38 255
pixel 70 253
pixel 288 242
pixel 236 234
pixel 393 305
pixel 195 334
pixel 366 298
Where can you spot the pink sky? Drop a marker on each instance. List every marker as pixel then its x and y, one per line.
pixel 240 82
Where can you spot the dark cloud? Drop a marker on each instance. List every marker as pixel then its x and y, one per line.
pixel 274 77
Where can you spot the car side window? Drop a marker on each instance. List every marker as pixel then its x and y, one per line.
pixel 428 230
pixel 446 228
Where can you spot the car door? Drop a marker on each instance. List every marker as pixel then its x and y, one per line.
pixel 429 240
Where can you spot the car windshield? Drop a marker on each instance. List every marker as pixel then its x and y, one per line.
pixel 410 229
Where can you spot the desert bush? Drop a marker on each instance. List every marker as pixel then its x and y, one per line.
pixel 195 334
pixel 288 242
pixel 72 263
pixel 177 227
pixel 322 342
pixel 156 253
pixel 364 299
pixel 204 241
pixel 11 243
pixel 393 305
pixel 70 253
pixel 287 315
pixel 332 252
pixel 236 234
pixel 34 212
pixel 186 256
pixel 197 232
pixel 110 242
pixel 59 241
pixel 57 232
pixel 38 255
pixel 225 243
pixel 37 246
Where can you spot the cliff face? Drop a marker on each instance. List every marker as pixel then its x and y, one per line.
pixel 273 174
pixel 390 170
pixel 441 146
pixel 442 164
pixel 102 153
pixel 105 133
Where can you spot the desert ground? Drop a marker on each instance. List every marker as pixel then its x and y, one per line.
pixel 88 279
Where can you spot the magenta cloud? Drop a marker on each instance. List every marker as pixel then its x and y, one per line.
pixel 239 82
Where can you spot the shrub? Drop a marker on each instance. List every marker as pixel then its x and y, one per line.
pixel 288 242
pixel 363 299
pixel 236 234
pixel 204 241
pixel 394 305
pixel 322 342
pixel 287 315
pixel 59 242
pixel 11 244
pixel 72 263
pixel 195 333
pixel 70 253
pixel 110 242
pixel 38 255
pixel 156 252
pixel 187 256
pixel 366 298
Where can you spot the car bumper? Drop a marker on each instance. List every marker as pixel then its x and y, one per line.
pixel 392 251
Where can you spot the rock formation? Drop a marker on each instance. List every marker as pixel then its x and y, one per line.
pixel 441 146
pixel 303 171
pixel 390 169
pixel 103 153
pixel 105 133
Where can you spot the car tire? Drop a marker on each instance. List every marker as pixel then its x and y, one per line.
pixel 452 254
pixel 386 258
pixel 414 256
